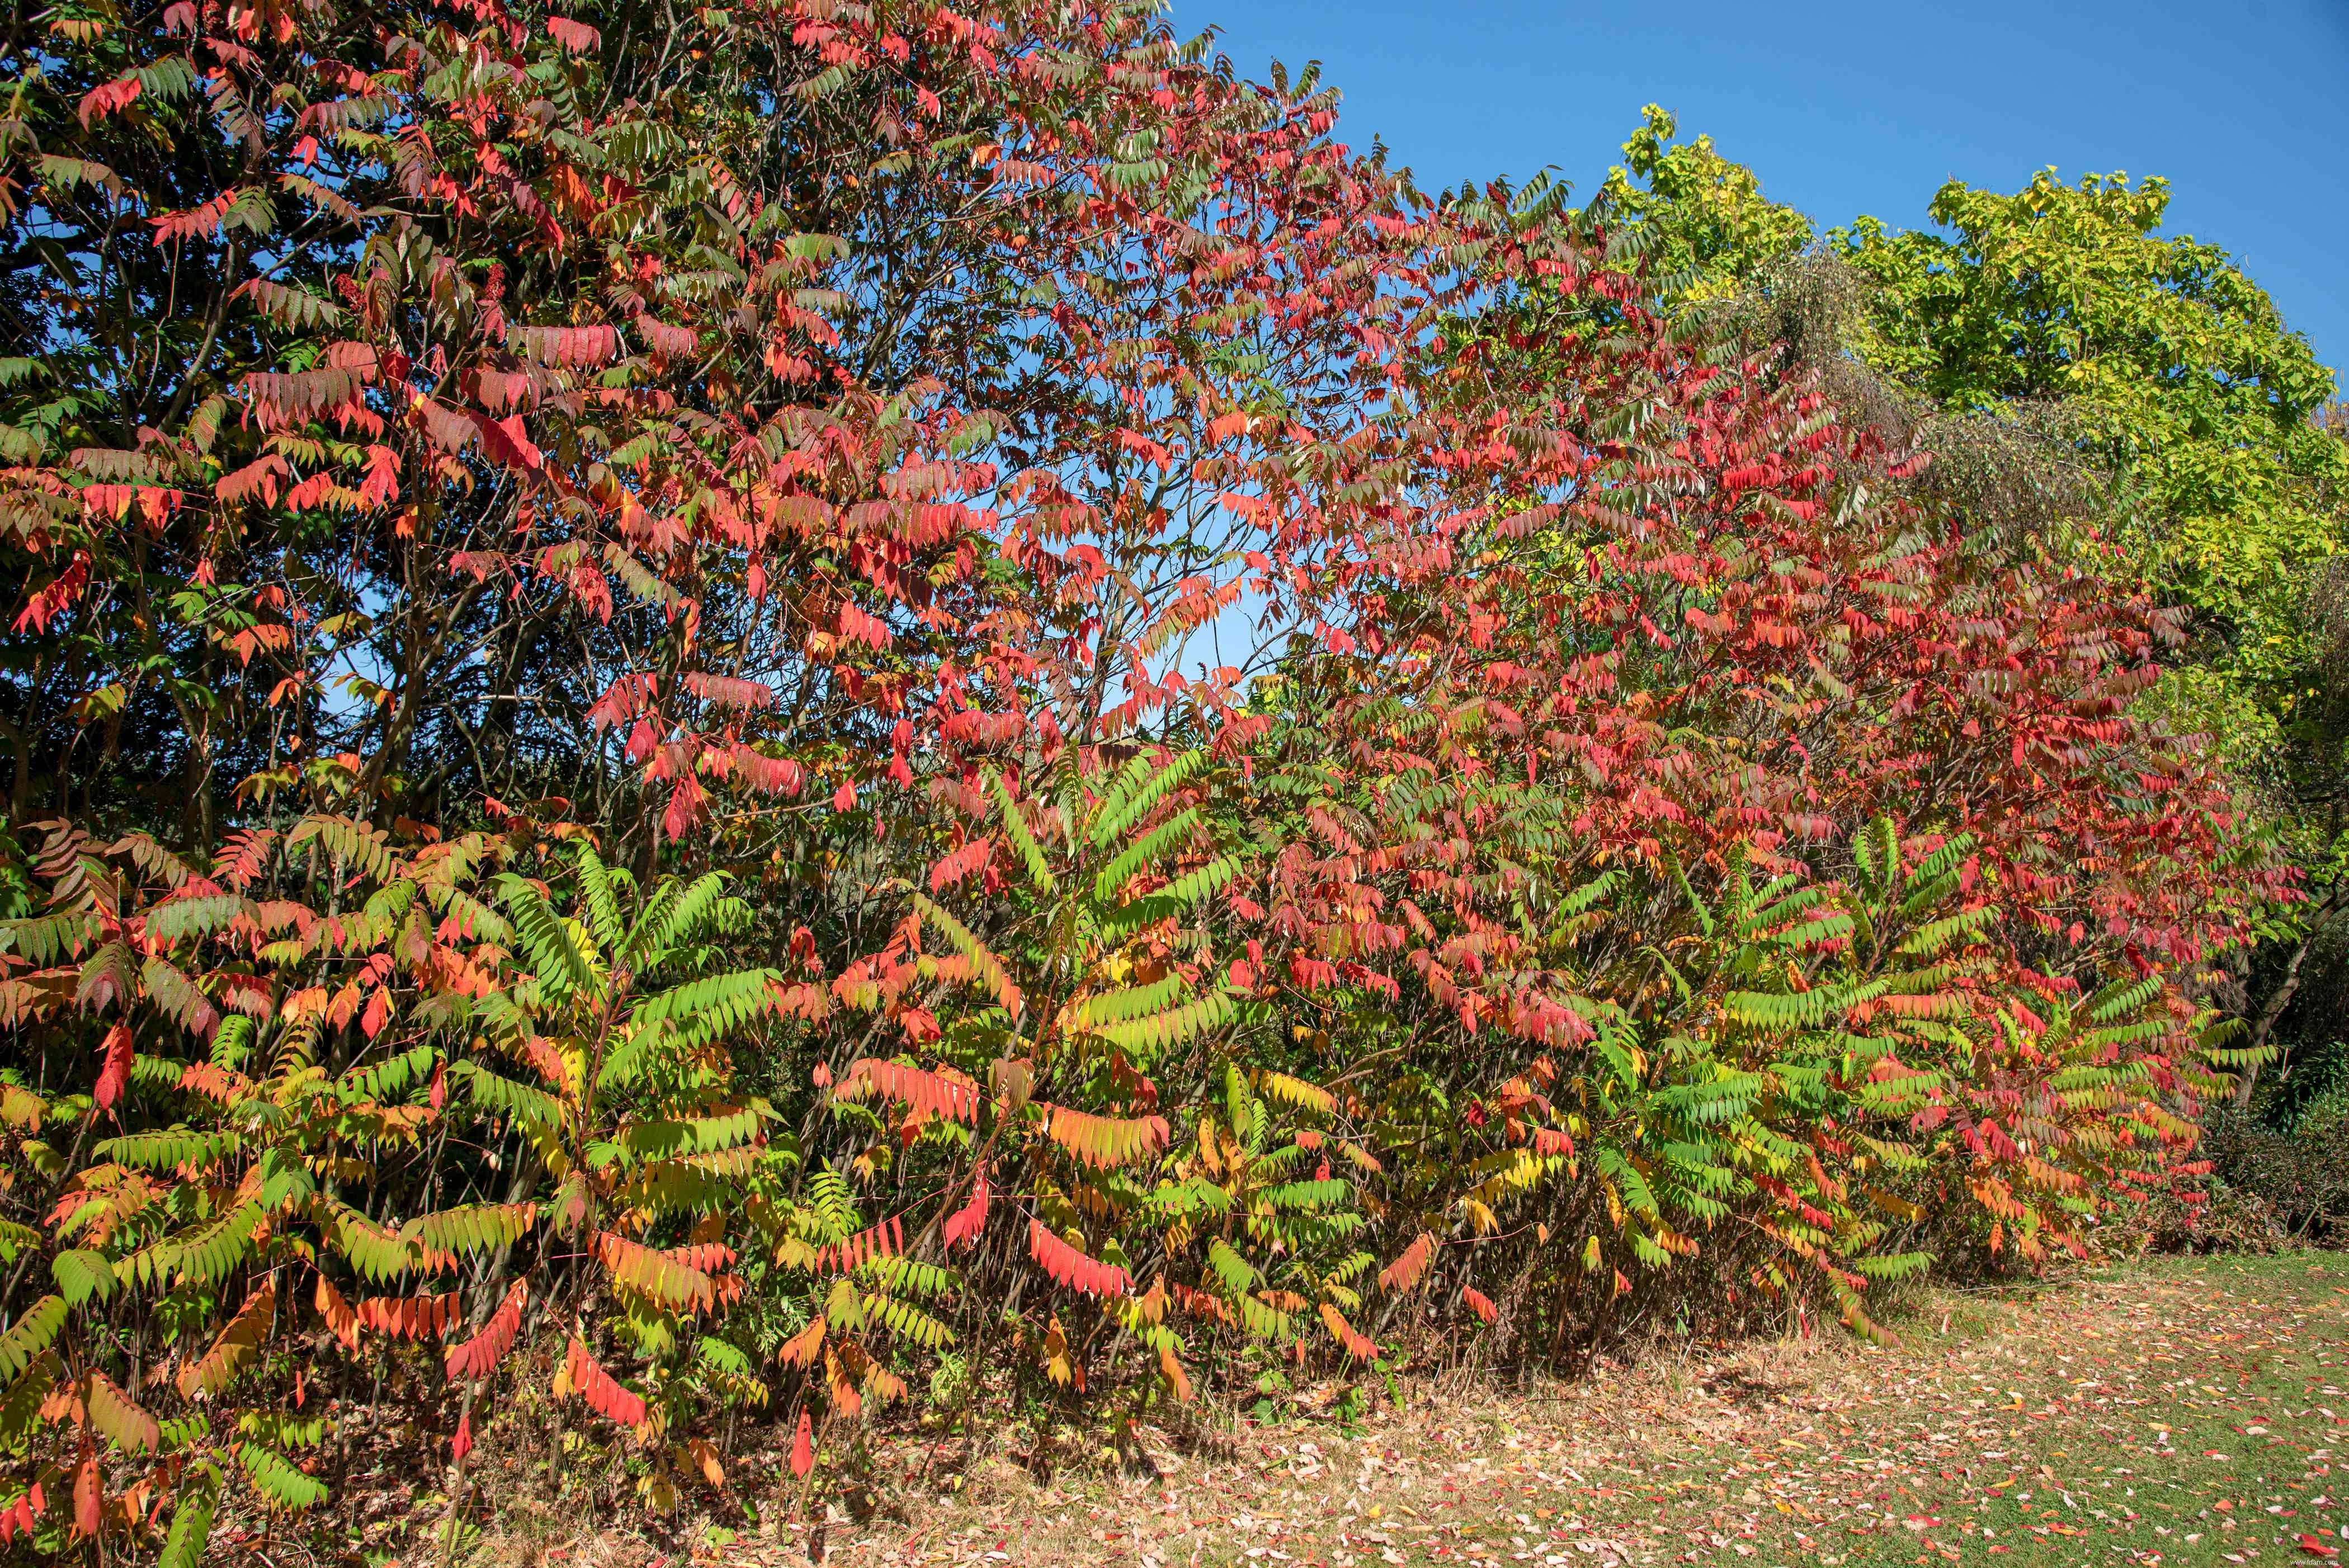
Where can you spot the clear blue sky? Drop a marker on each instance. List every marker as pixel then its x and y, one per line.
pixel 1845 106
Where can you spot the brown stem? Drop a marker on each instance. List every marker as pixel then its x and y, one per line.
pixel 203 353
pixel 448 1521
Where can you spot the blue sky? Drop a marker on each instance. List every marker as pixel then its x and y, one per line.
pixel 1845 106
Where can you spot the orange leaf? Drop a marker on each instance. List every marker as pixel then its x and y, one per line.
pixel 1177 1379
pixel 1410 1264
pixel 1344 1333
pixel 800 1349
pixel 654 1274
pixel 410 1317
pixel 234 1349
pixel 89 1495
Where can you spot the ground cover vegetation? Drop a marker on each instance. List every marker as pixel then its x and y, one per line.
pixel 619 838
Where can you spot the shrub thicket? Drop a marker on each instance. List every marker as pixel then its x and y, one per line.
pixel 619 797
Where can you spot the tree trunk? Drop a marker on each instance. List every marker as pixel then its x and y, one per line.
pixel 2281 999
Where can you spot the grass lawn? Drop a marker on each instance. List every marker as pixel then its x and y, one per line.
pixel 2177 1411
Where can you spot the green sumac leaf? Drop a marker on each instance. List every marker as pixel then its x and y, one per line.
pixel 31 1334
pixel 82 1274
pixel 279 1480
pixel 192 1520
pixel 21 1406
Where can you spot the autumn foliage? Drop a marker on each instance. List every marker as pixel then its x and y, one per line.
pixel 643 821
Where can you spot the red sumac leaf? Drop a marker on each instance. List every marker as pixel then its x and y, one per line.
pixel 507 441
pixel 669 342
pixel 965 1223
pixel 451 431
pixel 683 809
pixel 601 1391
pixel 576 36
pixel 260 475
pixel 570 345
pixel 885 1240
pixel 1072 1267
pixel 932 1094
pixel 856 626
pixel 768 775
pixel 115 95
pixel 956 865
pixel 729 691
pixel 803 1446
pixel 479 1356
pixel 46 604
pixel 114 1067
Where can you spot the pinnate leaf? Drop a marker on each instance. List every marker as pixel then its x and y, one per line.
pixel 237 1345
pixel 1072 1268
pixel 603 1392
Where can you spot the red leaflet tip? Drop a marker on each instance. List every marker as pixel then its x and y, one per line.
pixel 803 1446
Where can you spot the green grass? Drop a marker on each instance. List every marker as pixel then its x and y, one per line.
pixel 2218 1444
pixel 2179 1411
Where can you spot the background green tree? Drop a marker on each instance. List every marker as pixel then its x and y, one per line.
pixel 2176 368
pixel 1710 234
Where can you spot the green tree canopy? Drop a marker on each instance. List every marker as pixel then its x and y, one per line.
pixel 2173 365
pixel 1709 230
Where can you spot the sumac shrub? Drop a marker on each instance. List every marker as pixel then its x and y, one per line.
pixel 622 798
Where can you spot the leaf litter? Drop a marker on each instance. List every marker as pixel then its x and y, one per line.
pixel 2167 1411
